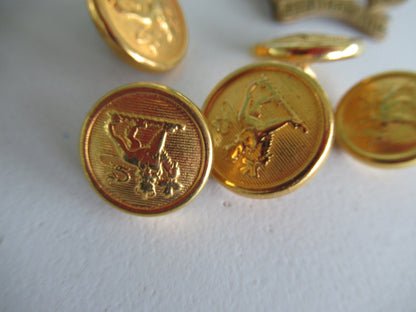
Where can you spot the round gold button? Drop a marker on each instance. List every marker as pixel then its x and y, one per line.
pixel 271 126
pixel 146 148
pixel 148 34
pixel 376 119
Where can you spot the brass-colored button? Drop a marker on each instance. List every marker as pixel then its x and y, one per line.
pixel 309 48
pixel 146 148
pixel 304 49
pixel 376 119
pixel 271 126
pixel 149 35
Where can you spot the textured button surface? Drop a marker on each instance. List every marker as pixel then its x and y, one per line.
pixel 272 128
pixel 149 35
pixel 146 148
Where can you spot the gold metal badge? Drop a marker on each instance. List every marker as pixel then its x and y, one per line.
pixel 150 35
pixel 376 119
pixel 369 18
pixel 146 148
pixel 272 128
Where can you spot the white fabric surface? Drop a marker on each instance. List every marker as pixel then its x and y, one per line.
pixel 346 241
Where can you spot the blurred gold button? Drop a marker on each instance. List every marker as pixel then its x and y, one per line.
pixel 309 48
pixel 146 148
pixel 306 48
pixel 271 126
pixel 150 35
pixel 376 119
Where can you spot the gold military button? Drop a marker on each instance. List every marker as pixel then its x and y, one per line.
pixel 304 49
pixel 376 119
pixel 309 48
pixel 272 128
pixel 146 148
pixel 148 34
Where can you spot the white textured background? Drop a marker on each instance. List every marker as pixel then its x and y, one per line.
pixel 344 242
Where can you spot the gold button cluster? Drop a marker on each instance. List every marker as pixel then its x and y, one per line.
pixel 265 129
